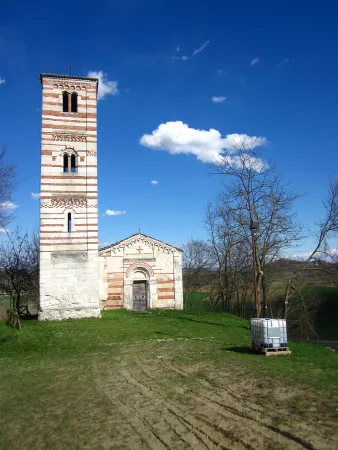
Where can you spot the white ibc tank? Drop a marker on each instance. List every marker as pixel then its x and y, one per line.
pixel 269 333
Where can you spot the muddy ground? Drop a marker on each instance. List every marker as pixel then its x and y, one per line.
pixel 160 403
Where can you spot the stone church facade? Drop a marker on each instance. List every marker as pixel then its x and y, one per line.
pixel 76 278
pixel 140 273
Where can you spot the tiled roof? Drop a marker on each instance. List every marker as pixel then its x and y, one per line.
pixel 65 77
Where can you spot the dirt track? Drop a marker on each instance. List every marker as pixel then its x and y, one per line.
pixel 159 404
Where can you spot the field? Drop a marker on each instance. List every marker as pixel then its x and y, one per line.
pixel 161 380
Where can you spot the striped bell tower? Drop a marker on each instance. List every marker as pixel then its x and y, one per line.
pixel 68 198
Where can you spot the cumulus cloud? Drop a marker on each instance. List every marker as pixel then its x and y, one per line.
pixel 254 61
pixel 154 182
pixel 105 87
pixel 3 230
pixel 208 146
pixel 218 99
pixel 35 195
pixel 8 205
pixel 111 212
pixel 2 81
pixel 194 53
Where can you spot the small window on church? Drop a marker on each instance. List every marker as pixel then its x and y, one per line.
pixel 65 101
pixel 65 162
pixel 69 222
pixel 74 102
pixel 73 163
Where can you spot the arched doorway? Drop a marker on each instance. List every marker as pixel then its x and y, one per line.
pixel 140 287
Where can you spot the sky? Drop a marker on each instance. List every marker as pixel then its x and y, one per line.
pixel 179 81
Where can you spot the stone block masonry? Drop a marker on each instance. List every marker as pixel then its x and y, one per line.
pixel 68 200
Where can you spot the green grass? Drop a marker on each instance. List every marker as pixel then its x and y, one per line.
pixel 57 377
pixel 196 301
pixel 229 335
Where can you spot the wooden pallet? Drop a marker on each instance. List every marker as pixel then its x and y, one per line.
pixel 274 351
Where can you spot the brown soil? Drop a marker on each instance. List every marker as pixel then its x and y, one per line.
pixel 158 403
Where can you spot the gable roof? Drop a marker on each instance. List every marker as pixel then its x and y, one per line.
pixel 140 235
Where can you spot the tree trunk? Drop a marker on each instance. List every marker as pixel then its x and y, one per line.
pixel 286 301
pixel 265 293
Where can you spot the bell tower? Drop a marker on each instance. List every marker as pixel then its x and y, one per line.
pixel 68 198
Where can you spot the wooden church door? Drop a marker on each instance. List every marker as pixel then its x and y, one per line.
pixel 139 296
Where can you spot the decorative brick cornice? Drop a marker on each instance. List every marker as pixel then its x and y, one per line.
pixel 69 137
pixel 139 238
pixel 66 202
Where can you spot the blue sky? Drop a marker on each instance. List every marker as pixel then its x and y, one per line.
pixel 276 64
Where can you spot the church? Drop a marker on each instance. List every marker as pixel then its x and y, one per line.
pixel 77 279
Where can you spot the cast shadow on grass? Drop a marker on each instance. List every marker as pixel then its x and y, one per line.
pixel 246 350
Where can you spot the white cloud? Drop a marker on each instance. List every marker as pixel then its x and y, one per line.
pixel 2 81
pixel 218 99
pixel 194 53
pixel 35 195
pixel 154 182
pixel 326 256
pixel 254 61
pixel 284 63
pixel 208 146
pixel 103 244
pixel 106 87
pixel 3 230
pixel 111 212
pixel 8 205
pixel 222 72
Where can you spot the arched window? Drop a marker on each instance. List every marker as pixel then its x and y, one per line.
pixel 65 101
pixel 65 162
pixel 69 222
pixel 73 163
pixel 74 102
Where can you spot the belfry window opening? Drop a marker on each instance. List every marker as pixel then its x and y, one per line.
pixel 74 102
pixel 65 162
pixel 65 101
pixel 73 163
pixel 69 222
pixel 69 102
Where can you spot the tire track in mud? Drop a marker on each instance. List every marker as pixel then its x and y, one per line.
pixel 262 410
pixel 192 420
pixel 190 435
pixel 242 415
pixel 208 383
pixel 205 436
pixel 220 412
pixel 142 428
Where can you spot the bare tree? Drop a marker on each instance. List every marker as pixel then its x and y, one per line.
pixel 196 261
pixel 230 260
pixel 326 228
pixel 7 186
pixel 18 269
pixel 252 191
